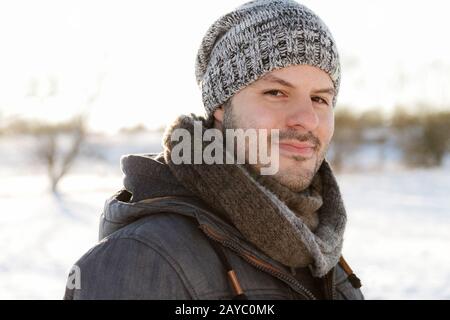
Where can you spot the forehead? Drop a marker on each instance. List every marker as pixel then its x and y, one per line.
pixel 297 75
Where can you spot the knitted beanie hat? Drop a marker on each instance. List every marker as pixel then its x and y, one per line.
pixel 256 38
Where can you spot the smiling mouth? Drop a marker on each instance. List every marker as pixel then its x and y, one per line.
pixel 303 149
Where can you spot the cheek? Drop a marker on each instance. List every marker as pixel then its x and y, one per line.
pixel 326 127
pixel 265 118
pixel 254 114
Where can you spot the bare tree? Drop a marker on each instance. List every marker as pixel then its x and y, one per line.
pixel 423 138
pixel 59 146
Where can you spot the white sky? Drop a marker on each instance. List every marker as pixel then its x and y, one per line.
pixel 393 52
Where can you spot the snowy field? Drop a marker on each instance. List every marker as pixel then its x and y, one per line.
pixel 397 240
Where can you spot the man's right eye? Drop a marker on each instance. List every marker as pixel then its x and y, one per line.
pixel 273 93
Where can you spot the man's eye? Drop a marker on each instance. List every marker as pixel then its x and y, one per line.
pixel 274 93
pixel 319 100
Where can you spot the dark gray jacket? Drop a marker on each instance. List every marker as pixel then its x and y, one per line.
pixel 158 241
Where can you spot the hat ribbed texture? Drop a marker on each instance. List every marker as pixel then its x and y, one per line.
pixel 256 38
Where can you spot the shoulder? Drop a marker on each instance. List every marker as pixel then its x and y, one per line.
pixel 176 237
pixel 125 268
pixel 157 257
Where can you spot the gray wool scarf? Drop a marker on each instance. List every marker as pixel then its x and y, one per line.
pixel 297 229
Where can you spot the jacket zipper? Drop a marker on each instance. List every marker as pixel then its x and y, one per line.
pixel 330 285
pixel 257 263
pixel 333 284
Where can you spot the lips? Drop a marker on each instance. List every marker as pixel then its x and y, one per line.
pixel 305 149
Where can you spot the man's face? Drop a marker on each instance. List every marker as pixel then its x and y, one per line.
pixel 297 100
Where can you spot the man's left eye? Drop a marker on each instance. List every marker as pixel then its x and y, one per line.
pixel 320 100
pixel 274 93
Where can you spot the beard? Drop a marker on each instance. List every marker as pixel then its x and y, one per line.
pixel 299 175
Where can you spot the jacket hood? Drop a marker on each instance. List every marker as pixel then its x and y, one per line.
pixel 150 188
pixel 147 176
pixel 147 181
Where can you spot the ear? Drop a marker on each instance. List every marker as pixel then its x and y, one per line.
pixel 218 114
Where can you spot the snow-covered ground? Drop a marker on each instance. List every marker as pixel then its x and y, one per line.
pixel 398 234
pixel 397 240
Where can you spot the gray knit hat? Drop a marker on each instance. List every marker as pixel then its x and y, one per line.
pixel 256 38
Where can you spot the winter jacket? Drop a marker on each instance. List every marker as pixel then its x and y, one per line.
pixel 158 241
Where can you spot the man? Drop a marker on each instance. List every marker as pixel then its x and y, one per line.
pixel 202 230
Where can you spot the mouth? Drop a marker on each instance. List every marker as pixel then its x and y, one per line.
pixel 304 149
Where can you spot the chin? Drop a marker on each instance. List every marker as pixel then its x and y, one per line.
pixel 296 175
pixel 293 182
pixel 296 172
pixel 293 163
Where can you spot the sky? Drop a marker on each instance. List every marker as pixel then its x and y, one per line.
pixel 130 62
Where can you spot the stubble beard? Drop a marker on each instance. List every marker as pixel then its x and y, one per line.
pixel 296 177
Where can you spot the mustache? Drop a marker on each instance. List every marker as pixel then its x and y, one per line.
pixel 291 134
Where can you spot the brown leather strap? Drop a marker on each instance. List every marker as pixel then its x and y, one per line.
pixel 354 280
pixel 345 266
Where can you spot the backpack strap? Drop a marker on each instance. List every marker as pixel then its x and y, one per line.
pixel 354 280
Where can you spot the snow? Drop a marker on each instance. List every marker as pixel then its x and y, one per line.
pixel 397 237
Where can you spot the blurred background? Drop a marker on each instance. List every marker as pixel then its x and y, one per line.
pixel 84 82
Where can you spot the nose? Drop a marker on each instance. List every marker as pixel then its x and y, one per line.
pixel 302 115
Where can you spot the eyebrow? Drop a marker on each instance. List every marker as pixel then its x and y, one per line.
pixel 330 91
pixel 271 78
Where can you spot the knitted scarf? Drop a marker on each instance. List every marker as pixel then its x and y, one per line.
pixel 297 229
